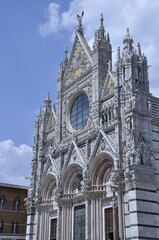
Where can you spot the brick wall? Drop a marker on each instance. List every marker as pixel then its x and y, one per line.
pixel 8 215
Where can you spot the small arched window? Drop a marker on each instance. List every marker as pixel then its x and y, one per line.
pixel 2 202
pixel 124 72
pixel 139 72
pixel 110 113
pixel 1 226
pixel 106 116
pixel 14 228
pixel 16 204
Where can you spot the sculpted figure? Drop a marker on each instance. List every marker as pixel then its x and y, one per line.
pixel 79 18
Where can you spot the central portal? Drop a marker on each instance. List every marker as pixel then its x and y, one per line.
pixel 79 222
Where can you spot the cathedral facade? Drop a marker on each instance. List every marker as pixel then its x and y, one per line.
pixel 95 166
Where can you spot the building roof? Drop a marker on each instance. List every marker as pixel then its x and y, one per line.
pixel 6 185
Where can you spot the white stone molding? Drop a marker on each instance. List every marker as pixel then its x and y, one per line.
pixel 109 141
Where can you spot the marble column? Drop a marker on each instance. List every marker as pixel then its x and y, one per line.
pixel 115 223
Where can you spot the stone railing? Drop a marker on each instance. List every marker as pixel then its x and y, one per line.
pixel 47 202
pixel 94 188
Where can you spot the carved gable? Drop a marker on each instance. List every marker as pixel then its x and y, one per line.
pixel 52 122
pixel 108 86
pixel 75 155
pixel 79 62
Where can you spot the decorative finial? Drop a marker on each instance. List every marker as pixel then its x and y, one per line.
pixel 66 52
pixel 128 41
pixel 48 95
pixel 47 99
pixel 139 49
pixel 128 34
pixel 40 111
pixel 108 37
pixel 54 107
pixel 47 103
pixel 118 54
pixel 101 20
pixel 109 65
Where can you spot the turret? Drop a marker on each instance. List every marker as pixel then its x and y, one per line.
pixel 133 92
pixel 102 53
pixel 128 41
pixel 101 40
pixel 47 104
pixel 41 124
pixel 132 64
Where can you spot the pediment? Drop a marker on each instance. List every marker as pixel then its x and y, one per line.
pixel 103 143
pixel 79 61
pixel 108 85
pixel 52 121
pixel 52 165
pixel 75 155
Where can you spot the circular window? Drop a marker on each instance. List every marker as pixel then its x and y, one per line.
pixel 79 111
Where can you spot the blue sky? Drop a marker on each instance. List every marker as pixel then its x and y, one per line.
pixel 33 37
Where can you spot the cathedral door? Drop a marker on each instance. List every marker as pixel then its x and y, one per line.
pixel 79 223
pixel 53 229
pixel 109 224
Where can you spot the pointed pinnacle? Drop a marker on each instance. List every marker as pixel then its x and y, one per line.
pixel 47 99
pixel 66 52
pixel 139 49
pixel 128 34
pixel 101 20
pixel 40 111
pixel 118 54
pixel 108 38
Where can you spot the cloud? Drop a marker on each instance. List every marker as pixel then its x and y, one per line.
pixel 52 25
pixel 140 16
pixel 15 162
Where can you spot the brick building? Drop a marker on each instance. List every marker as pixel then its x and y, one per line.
pixel 12 211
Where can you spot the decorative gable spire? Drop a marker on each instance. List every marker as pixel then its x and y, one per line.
pixel 100 34
pixel 101 20
pixel 101 29
pixel 139 49
pixel 47 102
pixel 47 99
pixel 118 54
pixel 66 53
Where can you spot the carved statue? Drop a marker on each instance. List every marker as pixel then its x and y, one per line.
pixel 79 18
pixel 85 185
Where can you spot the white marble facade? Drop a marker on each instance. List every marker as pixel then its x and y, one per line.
pixel 95 166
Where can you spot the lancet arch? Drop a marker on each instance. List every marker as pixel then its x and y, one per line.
pixel 72 177
pixel 48 187
pixel 100 168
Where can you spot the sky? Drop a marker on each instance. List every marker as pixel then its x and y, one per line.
pixel 34 34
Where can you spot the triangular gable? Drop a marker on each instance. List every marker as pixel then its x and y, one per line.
pixel 51 166
pixel 108 85
pixel 104 142
pixel 52 121
pixel 80 59
pixel 74 156
pixel 109 141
